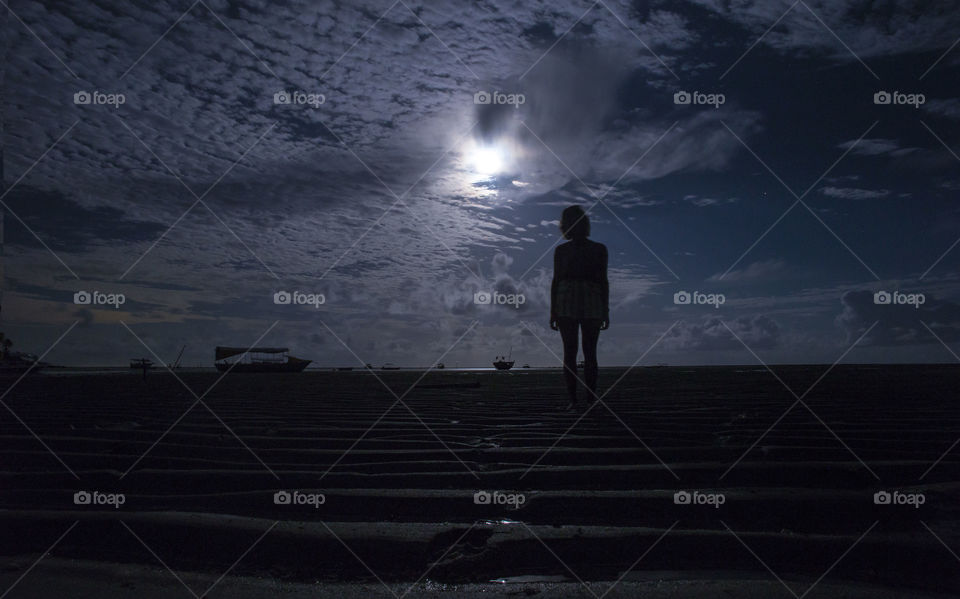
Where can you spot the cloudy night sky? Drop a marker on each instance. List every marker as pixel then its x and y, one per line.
pixel 398 197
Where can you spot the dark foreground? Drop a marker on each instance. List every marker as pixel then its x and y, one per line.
pixel 382 491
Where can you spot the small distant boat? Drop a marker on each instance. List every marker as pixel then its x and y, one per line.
pixel 440 366
pixel 389 366
pixel 502 363
pixel 526 366
pixel 581 364
pixel 176 363
pixel 258 359
pixel 141 363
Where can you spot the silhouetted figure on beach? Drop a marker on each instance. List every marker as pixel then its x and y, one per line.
pixel 579 298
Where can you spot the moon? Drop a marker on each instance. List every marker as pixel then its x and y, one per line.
pixel 487 160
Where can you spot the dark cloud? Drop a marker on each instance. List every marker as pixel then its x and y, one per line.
pixel 758 333
pixel 898 324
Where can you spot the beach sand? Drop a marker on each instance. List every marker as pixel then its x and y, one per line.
pixel 399 510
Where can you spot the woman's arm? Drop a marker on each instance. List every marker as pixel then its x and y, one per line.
pixel 605 284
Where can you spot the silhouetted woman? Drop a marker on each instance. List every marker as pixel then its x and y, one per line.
pixel 579 298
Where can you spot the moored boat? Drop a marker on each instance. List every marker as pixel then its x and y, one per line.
pixel 141 363
pixel 504 363
pixel 258 359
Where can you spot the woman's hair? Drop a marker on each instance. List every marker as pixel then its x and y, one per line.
pixel 574 223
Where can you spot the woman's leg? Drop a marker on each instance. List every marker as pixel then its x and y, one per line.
pixel 568 333
pixel 591 334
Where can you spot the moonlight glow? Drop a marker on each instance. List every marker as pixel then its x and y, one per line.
pixel 486 160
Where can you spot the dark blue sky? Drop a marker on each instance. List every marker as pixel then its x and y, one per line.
pixel 398 197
